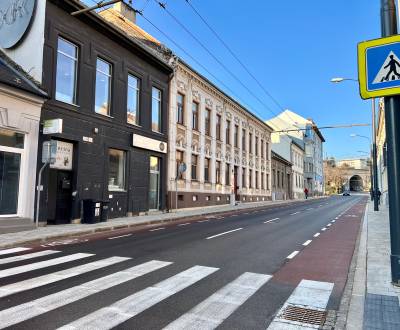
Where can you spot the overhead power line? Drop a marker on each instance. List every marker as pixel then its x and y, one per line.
pixel 163 6
pixel 321 127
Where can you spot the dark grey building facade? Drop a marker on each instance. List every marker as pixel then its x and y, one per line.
pixel 108 112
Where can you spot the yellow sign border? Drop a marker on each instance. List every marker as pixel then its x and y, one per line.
pixel 362 68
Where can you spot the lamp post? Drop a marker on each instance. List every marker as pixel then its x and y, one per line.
pixel 373 152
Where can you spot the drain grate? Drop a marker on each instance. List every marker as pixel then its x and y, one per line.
pixel 304 315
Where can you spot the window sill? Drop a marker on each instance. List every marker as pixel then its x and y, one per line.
pixel 134 125
pixel 100 115
pixel 67 104
pixel 158 133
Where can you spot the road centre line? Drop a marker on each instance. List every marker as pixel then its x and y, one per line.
pixel 292 255
pixel 311 208
pixel 272 220
pixel 184 224
pixel 317 234
pixel 307 242
pixel 333 221
pixel 295 213
pixel 224 233
pixel 115 237
pixel 329 224
pixel 203 221
pixel 323 229
pixel 157 229
pixel 234 215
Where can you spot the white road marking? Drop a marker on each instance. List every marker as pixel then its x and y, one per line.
pixel 333 221
pixel 295 213
pixel 162 228
pixel 53 301
pixel 272 220
pixel 184 224
pixel 212 311
pixel 323 229
pixel 292 255
pixel 36 282
pixel 246 213
pixel 308 294
pixel 13 250
pixel 234 215
pixel 124 309
pixel 27 256
pixel 329 224
pixel 317 234
pixel 227 232
pixel 307 242
pixel 203 221
pixel 115 237
pixel 42 264
pixel 311 208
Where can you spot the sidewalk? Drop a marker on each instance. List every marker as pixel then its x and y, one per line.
pixel 374 301
pixel 43 234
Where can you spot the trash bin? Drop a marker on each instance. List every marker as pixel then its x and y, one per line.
pixel 91 211
pixel 104 210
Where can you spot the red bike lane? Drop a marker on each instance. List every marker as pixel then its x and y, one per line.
pixel 328 257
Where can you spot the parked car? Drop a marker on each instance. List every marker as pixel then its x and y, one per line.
pixel 346 193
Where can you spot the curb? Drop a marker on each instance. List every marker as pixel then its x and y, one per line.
pixel 117 227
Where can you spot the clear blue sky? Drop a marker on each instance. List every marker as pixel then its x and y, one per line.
pixel 293 47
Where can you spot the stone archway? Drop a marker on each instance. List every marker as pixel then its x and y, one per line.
pixel 356 183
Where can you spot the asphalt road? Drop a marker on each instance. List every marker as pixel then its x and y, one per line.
pixel 178 267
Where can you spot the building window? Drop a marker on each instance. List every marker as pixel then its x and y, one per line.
pixel 243 177
pixel 250 143
pixel 228 132
pixel 257 183
pixel 156 96
pixel 133 100
pixel 103 87
pixel 262 148
pixel 206 170
pixel 218 128
pixel 207 122
pixel 67 66
pixel 116 170
pixel 266 150
pixel 180 101
pixel 217 172
pixel 194 167
pixel 282 182
pixel 273 179
pixel 251 178
pixel 179 161
pixel 267 181
pixel 256 146
pixel 262 181
pixel 243 139
pixel 236 136
pixel 195 116
pixel 227 175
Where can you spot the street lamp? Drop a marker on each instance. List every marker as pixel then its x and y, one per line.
pixel 373 153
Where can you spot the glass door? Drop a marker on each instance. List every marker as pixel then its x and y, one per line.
pixel 10 164
pixel 154 184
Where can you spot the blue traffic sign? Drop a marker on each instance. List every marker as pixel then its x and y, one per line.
pixel 379 67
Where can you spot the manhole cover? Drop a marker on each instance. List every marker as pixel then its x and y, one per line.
pixel 304 315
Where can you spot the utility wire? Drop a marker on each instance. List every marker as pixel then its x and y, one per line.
pixel 163 6
pixel 216 34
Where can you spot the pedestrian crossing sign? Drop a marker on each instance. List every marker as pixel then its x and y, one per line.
pixel 379 67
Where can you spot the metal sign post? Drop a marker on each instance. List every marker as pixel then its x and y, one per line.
pixel 48 157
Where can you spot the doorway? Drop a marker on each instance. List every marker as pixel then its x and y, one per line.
pixel 10 165
pixel 59 197
pixel 154 183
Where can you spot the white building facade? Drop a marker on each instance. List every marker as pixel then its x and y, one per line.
pixel 225 149
pixel 297 154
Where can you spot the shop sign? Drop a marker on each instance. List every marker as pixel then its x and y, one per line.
pixel 15 19
pixel 53 126
pixel 143 142
pixel 63 159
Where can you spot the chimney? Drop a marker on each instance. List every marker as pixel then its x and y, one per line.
pixel 127 12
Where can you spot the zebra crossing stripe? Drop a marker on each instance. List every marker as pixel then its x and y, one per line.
pixel 13 250
pixel 53 301
pixel 27 256
pixel 308 294
pixel 57 276
pixel 210 313
pixel 42 264
pixel 124 309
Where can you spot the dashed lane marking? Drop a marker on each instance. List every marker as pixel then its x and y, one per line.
pixel 295 213
pixel 333 221
pixel 329 224
pixel 307 242
pixel 184 224
pixel 292 255
pixel 203 221
pixel 121 236
pixel 317 234
pixel 272 220
pixel 162 228
pixel 224 233
pixel 323 229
